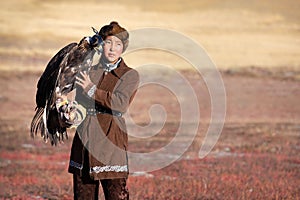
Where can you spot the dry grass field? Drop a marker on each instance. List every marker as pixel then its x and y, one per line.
pixel 254 44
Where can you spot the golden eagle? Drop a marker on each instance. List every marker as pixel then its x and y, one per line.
pixel 54 112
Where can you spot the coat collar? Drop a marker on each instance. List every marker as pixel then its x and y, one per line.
pixel 109 67
pixel 121 69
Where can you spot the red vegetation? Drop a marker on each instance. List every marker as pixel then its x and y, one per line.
pixel 255 157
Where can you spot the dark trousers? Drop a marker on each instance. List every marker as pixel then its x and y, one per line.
pixel 86 188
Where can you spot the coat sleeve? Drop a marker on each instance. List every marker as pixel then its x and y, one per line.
pixel 120 98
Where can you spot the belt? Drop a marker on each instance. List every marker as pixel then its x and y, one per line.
pixel 101 110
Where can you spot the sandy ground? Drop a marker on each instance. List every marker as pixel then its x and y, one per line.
pixel 256 47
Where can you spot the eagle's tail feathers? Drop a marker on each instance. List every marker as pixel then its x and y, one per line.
pixel 36 122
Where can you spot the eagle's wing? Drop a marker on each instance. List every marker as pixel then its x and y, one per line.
pixel 45 88
pixel 47 81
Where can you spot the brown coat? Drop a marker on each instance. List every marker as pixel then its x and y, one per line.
pixel 104 135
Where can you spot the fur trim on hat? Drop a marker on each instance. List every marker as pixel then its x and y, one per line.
pixel 114 29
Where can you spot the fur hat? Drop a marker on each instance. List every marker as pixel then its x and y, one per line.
pixel 114 29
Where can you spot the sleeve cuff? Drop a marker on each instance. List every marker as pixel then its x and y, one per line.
pixel 91 91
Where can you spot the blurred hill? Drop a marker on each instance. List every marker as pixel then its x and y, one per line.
pixel 235 33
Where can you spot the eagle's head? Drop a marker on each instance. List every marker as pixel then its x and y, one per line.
pixel 88 43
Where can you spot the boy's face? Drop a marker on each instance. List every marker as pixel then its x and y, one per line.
pixel 112 48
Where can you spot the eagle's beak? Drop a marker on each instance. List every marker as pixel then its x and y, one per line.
pixel 88 39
